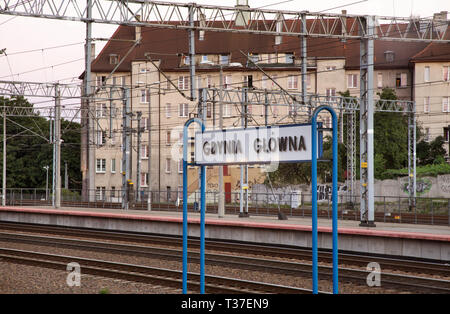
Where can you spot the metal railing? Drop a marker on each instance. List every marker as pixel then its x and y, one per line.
pixel 396 209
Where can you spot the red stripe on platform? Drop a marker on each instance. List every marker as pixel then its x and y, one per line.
pixel 248 224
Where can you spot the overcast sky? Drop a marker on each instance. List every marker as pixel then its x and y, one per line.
pixel 19 35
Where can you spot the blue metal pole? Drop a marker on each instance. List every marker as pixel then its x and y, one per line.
pixel 335 205
pixel 202 228
pixel 202 212
pixel 334 199
pixel 185 222
pixel 314 204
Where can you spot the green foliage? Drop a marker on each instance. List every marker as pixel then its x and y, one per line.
pixel 431 170
pixel 28 149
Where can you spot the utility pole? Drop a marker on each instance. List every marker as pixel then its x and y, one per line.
pixel 46 182
pixel 66 177
pixel 139 133
pixel 125 147
pixel 244 168
pixel 57 147
pixel 221 201
pixel 4 159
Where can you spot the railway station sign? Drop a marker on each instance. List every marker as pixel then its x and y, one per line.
pixel 260 145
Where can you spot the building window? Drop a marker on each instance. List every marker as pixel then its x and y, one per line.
pixel 168 109
pixel 227 110
pixel 101 110
pixel 113 191
pixel 100 193
pixel 248 81
pixel 100 138
pixel 208 110
pixel 426 104
pixel 445 104
pixel 100 80
pixel 401 80
pixel 446 129
pixel 224 59
pixel 254 57
pixel 264 80
pixel 168 134
pixel 331 68
pixel 168 165
pixel 113 165
pixel 292 82
pixel 101 165
pixel 227 82
pixel 144 151
pixel 183 110
pixel 209 81
pixel 274 79
pixel 427 134
pixel 186 60
pixel 144 179
pixel 352 81
pixel 183 82
pixel 331 93
pixel 145 95
pixel 426 74
pixel 446 73
pixel 180 166
pixel 380 80
pixel 289 58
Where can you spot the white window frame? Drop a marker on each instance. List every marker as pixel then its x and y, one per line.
pixel 113 165
pixel 292 82
pixel 183 82
pixel 380 80
pixel 145 96
pixel 100 138
pixel 227 81
pixel 445 104
pixel 144 151
pixel 426 104
pixel 144 179
pixel 331 93
pixel 446 73
pixel 426 74
pixel 183 110
pixel 226 110
pixel 352 80
pixel 101 110
pixel 168 110
pixel 168 165
pixel 403 79
pixel 100 165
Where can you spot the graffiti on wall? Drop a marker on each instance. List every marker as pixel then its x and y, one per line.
pixel 324 191
pixel 444 183
pixel 423 186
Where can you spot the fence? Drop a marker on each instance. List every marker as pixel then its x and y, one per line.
pixel 434 211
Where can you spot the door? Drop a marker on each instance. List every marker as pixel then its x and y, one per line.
pixel 227 192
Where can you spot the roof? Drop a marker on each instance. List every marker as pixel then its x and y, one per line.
pixel 433 52
pixel 167 45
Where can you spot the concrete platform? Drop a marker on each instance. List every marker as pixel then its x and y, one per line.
pixel 423 241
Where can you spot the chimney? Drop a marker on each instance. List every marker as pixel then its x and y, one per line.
pixel 440 21
pixel 344 25
pixel 242 17
pixel 138 29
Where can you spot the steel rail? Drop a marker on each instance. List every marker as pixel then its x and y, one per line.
pixel 396 281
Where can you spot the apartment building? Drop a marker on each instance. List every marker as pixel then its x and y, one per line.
pixel 156 72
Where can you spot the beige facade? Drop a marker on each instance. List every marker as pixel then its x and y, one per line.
pixel 432 95
pixel 151 92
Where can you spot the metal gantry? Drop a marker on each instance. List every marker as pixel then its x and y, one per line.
pixel 143 13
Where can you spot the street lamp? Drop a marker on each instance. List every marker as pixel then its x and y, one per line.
pixel 46 182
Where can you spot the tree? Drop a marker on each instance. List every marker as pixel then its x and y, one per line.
pixel 28 149
pixel 428 153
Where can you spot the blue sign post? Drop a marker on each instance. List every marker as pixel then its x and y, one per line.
pixel 334 199
pixel 297 144
pixel 202 210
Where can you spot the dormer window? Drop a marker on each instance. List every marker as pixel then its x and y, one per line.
pixel 224 59
pixel 289 58
pixel 113 59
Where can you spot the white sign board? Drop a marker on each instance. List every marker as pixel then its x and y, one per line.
pixel 290 143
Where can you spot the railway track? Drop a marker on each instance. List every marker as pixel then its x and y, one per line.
pixel 390 263
pixel 145 274
pixel 395 281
